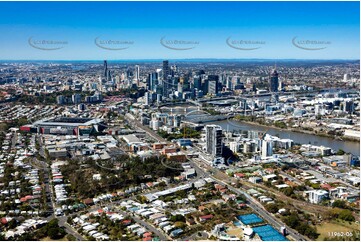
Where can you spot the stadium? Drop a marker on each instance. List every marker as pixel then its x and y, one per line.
pixel 66 126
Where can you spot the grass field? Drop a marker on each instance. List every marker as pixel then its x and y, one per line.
pixel 235 231
pixel 326 229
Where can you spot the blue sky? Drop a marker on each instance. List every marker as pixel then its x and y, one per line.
pixel 208 24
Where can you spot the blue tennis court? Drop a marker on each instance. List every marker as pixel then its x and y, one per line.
pixel 249 219
pixel 268 233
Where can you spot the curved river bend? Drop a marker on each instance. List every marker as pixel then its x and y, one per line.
pixel 297 137
pixel 352 147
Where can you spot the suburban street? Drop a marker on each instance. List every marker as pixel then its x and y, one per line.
pixel 147 225
pixel 254 204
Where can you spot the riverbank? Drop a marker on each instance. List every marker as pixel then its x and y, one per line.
pixel 343 138
pixel 297 137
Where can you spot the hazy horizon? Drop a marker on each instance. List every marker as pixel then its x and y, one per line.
pixel 176 59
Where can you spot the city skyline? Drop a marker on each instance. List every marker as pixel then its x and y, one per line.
pixel 180 121
pixel 137 151
pixel 148 31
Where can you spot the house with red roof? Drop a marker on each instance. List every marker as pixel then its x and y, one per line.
pixel 147 234
pixel 326 186
pixel 239 175
pixel 4 220
pixel 88 201
pixel 205 217
pixel 126 222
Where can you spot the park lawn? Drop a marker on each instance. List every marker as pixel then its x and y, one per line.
pixel 336 226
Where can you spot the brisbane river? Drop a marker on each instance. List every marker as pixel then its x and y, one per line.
pixel 352 147
pixel 298 137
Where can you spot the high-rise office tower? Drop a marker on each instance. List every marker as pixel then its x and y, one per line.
pixel 214 140
pixel 197 81
pixel 173 70
pixel 149 77
pixel 60 99
pixel 105 69
pixel 205 84
pixel 254 87
pixel 183 79
pixel 165 69
pixel 165 83
pixel 213 78
pixel 348 106
pixel 76 98
pixel 129 73
pixel 153 80
pixel 229 84
pixel 273 81
pixel 109 76
pixel 212 87
pixel 280 85
pixel 266 148
pixel 146 98
pixel 137 73
pixel 213 84
pixel 180 87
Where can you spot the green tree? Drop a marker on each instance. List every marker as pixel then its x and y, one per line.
pixel 53 233
pixel 69 220
pixel 339 204
pixel 177 218
pixel 280 124
pixel 288 191
pixel 292 220
pixel 53 223
pixel 271 207
pixel 70 237
pixel 340 152
pixel 27 237
pixel 346 215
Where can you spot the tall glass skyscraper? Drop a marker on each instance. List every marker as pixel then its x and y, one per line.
pixel 165 69
pixel 105 69
pixel 214 140
pixel 273 82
